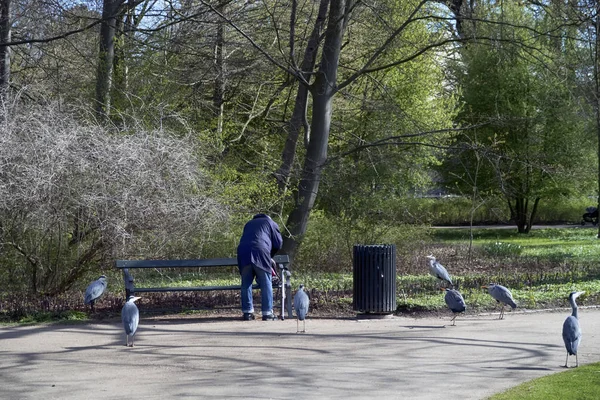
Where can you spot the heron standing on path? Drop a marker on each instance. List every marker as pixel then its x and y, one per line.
pixel 571 332
pixel 130 315
pixel 94 290
pixel 502 295
pixel 436 269
pixel 301 304
pixel 455 303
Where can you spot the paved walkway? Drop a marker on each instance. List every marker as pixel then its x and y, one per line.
pixel 336 359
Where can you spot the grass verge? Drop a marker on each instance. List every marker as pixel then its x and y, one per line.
pixel 580 383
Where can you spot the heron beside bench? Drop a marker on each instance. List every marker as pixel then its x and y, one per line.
pixel 282 262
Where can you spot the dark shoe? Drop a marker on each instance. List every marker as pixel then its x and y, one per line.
pixel 269 317
pixel 249 317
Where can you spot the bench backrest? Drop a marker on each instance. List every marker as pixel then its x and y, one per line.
pixel 207 262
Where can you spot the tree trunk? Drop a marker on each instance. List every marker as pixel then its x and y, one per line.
pixel 298 118
pixel 5 30
pixel 120 79
pixel 219 62
pixel 104 75
pixel 521 214
pixel 125 24
pixel 597 93
pixel 322 91
pixel 524 218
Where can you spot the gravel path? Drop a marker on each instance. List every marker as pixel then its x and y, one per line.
pixel 223 358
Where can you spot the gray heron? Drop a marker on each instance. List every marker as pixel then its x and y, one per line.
pixel 436 269
pixel 130 315
pixel 301 304
pixel 502 295
pixel 94 290
pixel 455 303
pixel 571 332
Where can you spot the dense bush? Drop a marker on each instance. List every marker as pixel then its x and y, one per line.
pixel 75 196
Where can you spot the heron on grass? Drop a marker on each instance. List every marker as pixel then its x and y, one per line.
pixel 455 303
pixel 571 332
pixel 301 304
pixel 94 291
pixel 130 315
pixel 502 295
pixel 436 269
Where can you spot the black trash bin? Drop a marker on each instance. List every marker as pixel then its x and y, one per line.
pixel 374 269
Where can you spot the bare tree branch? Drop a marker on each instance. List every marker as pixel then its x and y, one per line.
pixel 401 140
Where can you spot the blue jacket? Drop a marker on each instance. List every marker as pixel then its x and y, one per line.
pixel 260 241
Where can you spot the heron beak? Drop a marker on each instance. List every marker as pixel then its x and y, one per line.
pixel 484 287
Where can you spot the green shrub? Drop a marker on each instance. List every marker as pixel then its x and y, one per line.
pixel 328 243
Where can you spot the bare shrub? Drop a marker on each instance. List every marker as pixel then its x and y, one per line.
pixel 74 196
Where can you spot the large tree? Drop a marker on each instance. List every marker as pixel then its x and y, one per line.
pixel 346 53
pixel 516 87
pixel 5 29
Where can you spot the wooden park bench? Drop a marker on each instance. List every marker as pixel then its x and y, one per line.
pixel 284 288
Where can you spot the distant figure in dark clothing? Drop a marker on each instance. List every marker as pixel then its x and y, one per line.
pixel 260 241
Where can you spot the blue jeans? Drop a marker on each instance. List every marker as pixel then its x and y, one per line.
pixel 263 278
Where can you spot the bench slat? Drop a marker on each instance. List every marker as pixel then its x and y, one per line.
pixel 282 260
pixel 209 262
pixel 190 289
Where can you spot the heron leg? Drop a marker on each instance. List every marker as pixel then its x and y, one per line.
pixel 502 312
pixel 576 360
pixel 131 341
pixel 304 326
pixel 453 320
pixel 297 325
pixel 567 361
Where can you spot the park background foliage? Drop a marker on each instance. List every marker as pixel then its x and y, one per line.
pixel 156 129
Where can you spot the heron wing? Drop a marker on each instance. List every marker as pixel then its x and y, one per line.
pixel 94 290
pixel 503 295
pixel 131 317
pixel 440 272
pixel 301 304
pixel 455 301
pixel 571 334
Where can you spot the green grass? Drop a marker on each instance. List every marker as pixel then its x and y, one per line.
pixel 547 264
pixel 576 384
pixel 540 268
pixel 549 243
pixel 535 297
pixel 69 316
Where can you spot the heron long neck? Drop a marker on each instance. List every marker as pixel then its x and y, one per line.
pixel 574 306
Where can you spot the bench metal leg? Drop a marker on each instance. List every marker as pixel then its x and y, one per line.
pixel 288 300
pixel 286 295
pixel 283 294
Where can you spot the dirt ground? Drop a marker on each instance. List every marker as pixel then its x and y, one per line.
pixel 222 357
